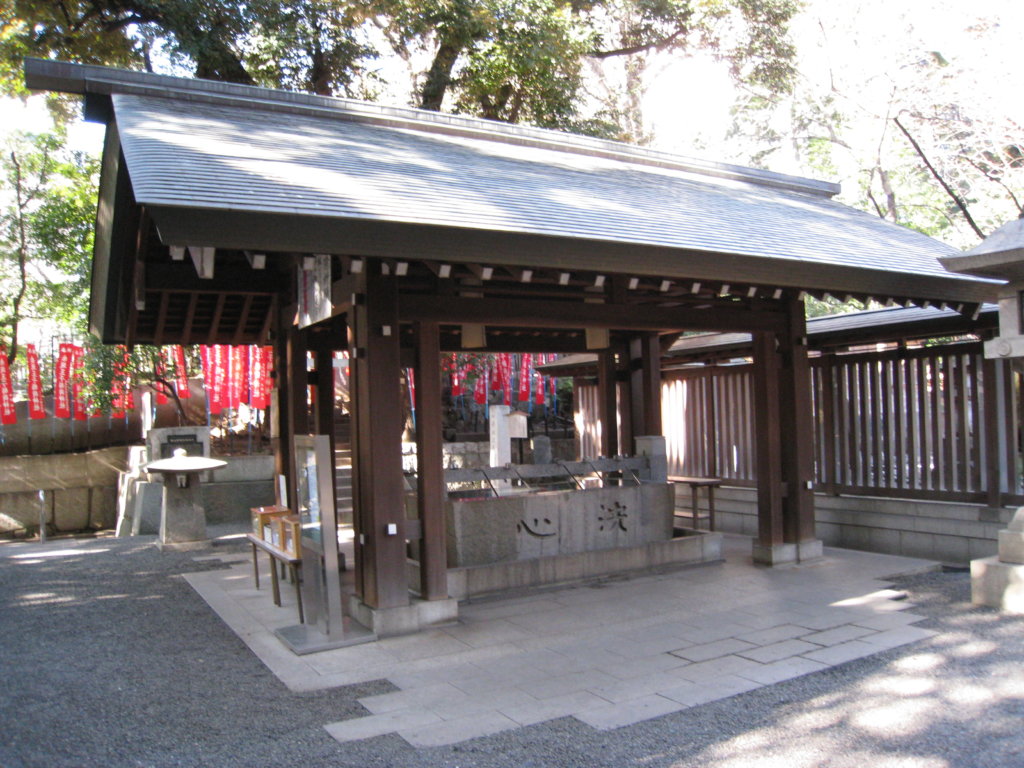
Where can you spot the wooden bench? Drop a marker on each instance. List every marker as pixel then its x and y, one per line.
pixel 696 483
pixel 275 556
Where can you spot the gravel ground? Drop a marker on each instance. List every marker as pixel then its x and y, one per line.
pixel 109 658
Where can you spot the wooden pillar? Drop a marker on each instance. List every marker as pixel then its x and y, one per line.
pixel 992 432
pixel 380 513
pixel 830 429
pixel 797 431
pixel 768 454
pixel 323 392
pixel 292 401
pixel 280 441
pixel 430 464
pixel 607 406
pixel 651 360
pixel 645 384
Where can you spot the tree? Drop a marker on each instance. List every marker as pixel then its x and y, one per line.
pixel 510 60
pixel 46 230
pixel 921 122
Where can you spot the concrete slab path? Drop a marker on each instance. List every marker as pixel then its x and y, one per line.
pixel 611 652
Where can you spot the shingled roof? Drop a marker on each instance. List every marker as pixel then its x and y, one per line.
pixel 240 167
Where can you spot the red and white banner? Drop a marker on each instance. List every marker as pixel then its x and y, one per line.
pixel 505 371
pixel 7 413
pixel 61 379
pixel 538 388
pixel 525 371
pixel 259 376
pixel 161 373
pixel 480 389
pixel 78 382
pixel 180 372
pixel 456 377
pixel 36 408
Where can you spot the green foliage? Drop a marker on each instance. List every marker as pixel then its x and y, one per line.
pixel 48 196
pixel 529 68
pixel 509 60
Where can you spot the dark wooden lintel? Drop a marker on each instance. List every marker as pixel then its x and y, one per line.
pixel 529 313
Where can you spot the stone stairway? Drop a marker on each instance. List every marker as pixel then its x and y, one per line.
pixel 343 467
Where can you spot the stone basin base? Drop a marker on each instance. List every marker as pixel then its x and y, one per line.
pixel 474 581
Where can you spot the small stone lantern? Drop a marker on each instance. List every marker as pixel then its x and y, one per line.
pixel 182 517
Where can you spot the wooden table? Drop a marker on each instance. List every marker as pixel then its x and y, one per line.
pixel 276 555
pixel 696 483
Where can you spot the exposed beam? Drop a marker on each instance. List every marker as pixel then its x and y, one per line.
pixel 527 313
pixel 243 319
pixel 190 317
pixel 215 321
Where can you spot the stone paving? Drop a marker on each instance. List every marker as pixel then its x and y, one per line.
pixel 610 653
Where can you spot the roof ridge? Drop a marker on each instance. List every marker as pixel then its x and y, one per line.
pixel 92 79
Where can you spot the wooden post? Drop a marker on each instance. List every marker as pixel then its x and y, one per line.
pixel 323 388
pixel 827 475
pixel 645 384
pixel 430 464
pixel 651 358
pixel 380 513
pixel 797 432
pixel 292 401
pixel 608 410
pixel 993 452
pixel 767 450
pixel 281 443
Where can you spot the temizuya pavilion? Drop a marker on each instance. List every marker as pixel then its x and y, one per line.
pixel 432 232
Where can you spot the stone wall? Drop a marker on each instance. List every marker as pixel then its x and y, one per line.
pixel 948 532
pixel 474 454
pixel 79 490
pixel 533 525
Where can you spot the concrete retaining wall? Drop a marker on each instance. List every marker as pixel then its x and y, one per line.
pixel 79 489
pixel 464 583
pixel 949 532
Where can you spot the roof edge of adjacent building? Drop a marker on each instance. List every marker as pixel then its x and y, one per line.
pixel 94 80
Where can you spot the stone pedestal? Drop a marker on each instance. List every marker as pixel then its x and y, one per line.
pixel 999 581
pixel 182 519
pixel 501 441
pixel 654 448
pixel 788 554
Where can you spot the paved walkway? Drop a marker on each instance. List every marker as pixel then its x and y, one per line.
pixel 610 653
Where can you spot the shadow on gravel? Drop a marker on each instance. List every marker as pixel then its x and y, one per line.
pixel 110 658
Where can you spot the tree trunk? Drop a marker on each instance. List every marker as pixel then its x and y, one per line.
pixel 439 76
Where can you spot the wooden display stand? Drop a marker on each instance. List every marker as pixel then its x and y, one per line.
pixel 277 532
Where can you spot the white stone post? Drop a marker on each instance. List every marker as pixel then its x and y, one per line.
pixel 999 581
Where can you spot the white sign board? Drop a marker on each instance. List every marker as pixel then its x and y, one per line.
pixel 314 288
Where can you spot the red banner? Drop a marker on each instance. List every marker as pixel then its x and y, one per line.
pixel 259 376
pixel 7 412
pixel 538 388
pixel 61 378
pixel 161 373
pixel 238 376
pixel 180 372
pixel 36 408
pixel 524 377
pixel 215 376
pixel 456 377
pixel 119 385
pixel 480 390
pixel 495 376
pixel 505 371
pixel 78 382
